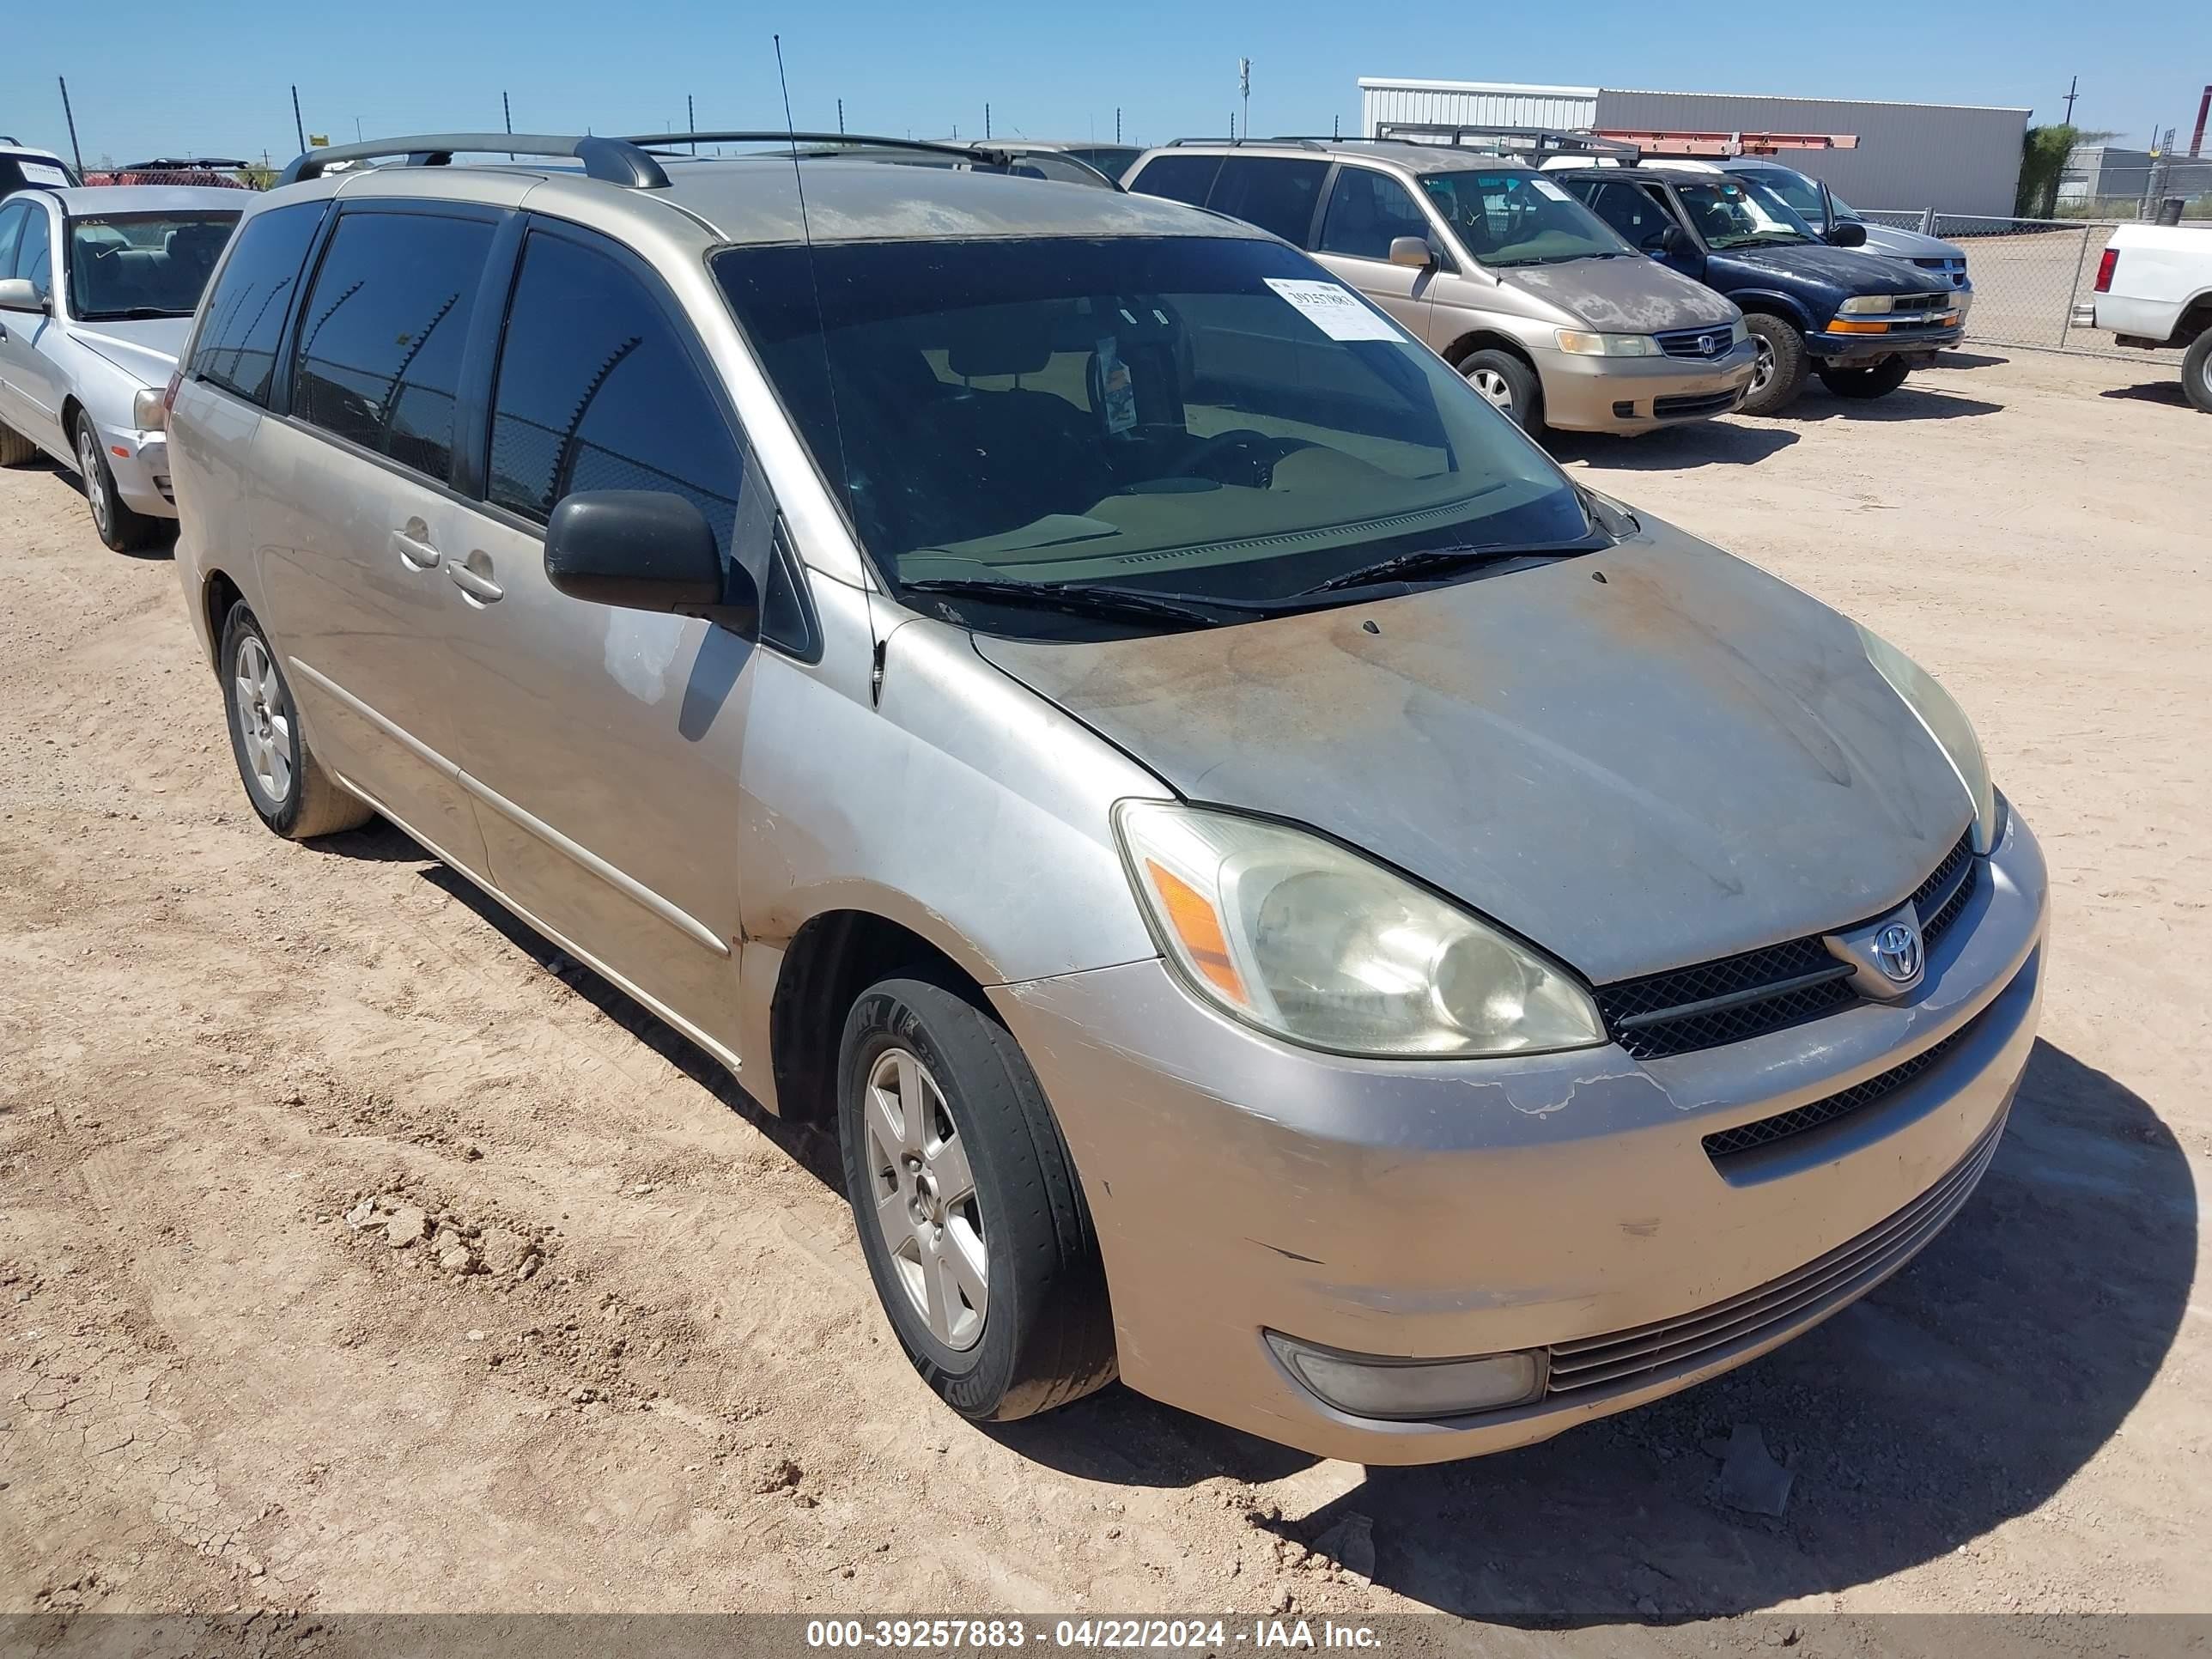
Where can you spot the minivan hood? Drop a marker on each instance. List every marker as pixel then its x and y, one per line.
pixel 1628 295
pixel 147 348
pixel 1685 760
pixel 1852 270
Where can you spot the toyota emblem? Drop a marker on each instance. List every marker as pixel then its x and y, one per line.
pixel 1897 951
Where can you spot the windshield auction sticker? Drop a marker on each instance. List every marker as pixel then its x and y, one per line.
pixel 1336 311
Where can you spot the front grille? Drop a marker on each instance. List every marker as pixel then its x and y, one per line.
pixel 1703 402
pixel 1952 270
pixel 1749 1137
pixel 1592 1368
pixel 1703 343
pixel 1770 989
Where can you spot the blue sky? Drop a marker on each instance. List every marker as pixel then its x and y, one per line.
pixel 213 79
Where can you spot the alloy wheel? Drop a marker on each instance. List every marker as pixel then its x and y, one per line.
pixel 1762 365
pixel 924 1198
pixel 263 719
pixel 95 476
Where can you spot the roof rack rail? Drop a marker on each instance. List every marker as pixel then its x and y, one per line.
pixel 613 160
pixel 993 153
pixel 1509 140
pixel 1303 143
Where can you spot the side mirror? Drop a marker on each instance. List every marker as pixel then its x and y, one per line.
pixel 1847 233
pixel 1674 239
pixel 1413 252
pixel 642 549
pixel 18 294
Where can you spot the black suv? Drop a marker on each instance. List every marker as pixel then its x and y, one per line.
pixel 1861 321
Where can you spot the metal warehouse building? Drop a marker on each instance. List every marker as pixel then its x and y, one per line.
pixel 1954 158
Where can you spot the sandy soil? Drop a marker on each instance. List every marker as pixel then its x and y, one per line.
pixel 634 1362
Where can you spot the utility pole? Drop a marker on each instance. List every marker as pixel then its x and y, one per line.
pixel 70 116
pixel 2072 87
pixel 1117 124
pixel 298 131
pixel 690 122
pixel 987 123
pixel 1244 90
pixel 841 115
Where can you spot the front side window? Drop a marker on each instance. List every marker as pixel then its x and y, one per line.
pixel 1740 213
pixel 1518 217
pixel 597 391
pixel 143 264
pixel 1799 193
pixel 1112 160
pixel 34 251
pixel 12 214
pixel 236 346
pixel 1367 211
pixel 383 330
pixel 1277 196
pixel 1185 415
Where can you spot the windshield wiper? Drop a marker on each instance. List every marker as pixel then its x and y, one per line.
pixel 1132 603
pixel 1435 561
pixel 131 314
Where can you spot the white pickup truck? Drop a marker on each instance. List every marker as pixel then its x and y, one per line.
pixel 2154 288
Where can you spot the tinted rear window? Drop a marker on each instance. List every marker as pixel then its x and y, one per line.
pixel 1275 195
pixel 380 340
pixel 245 315
pixel 1178 178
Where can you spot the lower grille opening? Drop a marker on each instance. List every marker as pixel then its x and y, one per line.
pixel 1725 1144
pixel 1704 402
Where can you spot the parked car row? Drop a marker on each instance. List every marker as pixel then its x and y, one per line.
pixel 1280 893
pixel 1551 289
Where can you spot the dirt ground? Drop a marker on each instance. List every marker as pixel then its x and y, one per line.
pixel 635 1363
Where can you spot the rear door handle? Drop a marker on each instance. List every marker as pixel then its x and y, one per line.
pixel 414 548
pixel 473 578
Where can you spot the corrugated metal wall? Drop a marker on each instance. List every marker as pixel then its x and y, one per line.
pixel 1953 159
pixel 1470 104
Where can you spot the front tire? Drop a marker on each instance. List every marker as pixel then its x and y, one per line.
pixel 2196 371
pixel 122 527
pixel 1509 385
pixel 970 1213
pixel 1875 380
pixel 288 788
pixel 1777 373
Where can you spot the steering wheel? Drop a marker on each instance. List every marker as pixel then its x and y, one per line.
pixel 1239 457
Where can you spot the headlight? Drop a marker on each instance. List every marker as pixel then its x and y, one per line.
pixel 1300 938
pixel 1945 722
pixel 1861 303
pixel 1607 345
pixel 1739 332
pixel 146 412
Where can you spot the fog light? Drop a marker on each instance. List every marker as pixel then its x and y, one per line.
pixel 1370 1385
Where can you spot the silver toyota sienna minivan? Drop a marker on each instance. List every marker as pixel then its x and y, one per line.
pixel 1282 894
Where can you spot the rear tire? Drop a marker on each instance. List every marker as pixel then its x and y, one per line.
pixel 1778 374
pixel 14 448
pixel 1875 380
pixel 964 1195
pixel 1509 385
pixel 2196 371
pixel 121 527
pixel 288 788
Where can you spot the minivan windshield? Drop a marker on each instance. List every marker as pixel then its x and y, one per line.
pixel 1516 216
pixel 1741 213
pixel 143 264
pixel 1205 418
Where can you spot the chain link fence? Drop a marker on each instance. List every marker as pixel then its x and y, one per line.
pixel 2028 276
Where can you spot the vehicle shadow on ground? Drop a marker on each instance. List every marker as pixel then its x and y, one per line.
pixel 164 546
pixel 1907 403
pixel 1965 1392
pixel 1703 443
pixel 1957 359
pixel 813 1149
pixel 2151 391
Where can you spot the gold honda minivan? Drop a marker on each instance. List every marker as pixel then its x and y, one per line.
pixel 1536 300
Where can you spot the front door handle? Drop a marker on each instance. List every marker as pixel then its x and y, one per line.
pixel 413 546
pixel 473 577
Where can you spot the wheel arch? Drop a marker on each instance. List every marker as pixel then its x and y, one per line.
pixel 218 593
pixel 1488 340
pixel 1766 303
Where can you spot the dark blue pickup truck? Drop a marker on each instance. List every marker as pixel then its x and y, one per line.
pixel 1861 322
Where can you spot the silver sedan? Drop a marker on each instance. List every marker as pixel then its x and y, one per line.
pixel 97 290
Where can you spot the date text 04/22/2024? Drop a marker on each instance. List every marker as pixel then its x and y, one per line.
pixel 987 1635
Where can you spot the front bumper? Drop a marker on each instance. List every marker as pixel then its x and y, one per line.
pixel 1640 394
pixel 1563 1204
pixel 140 462
pixel 1919 343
